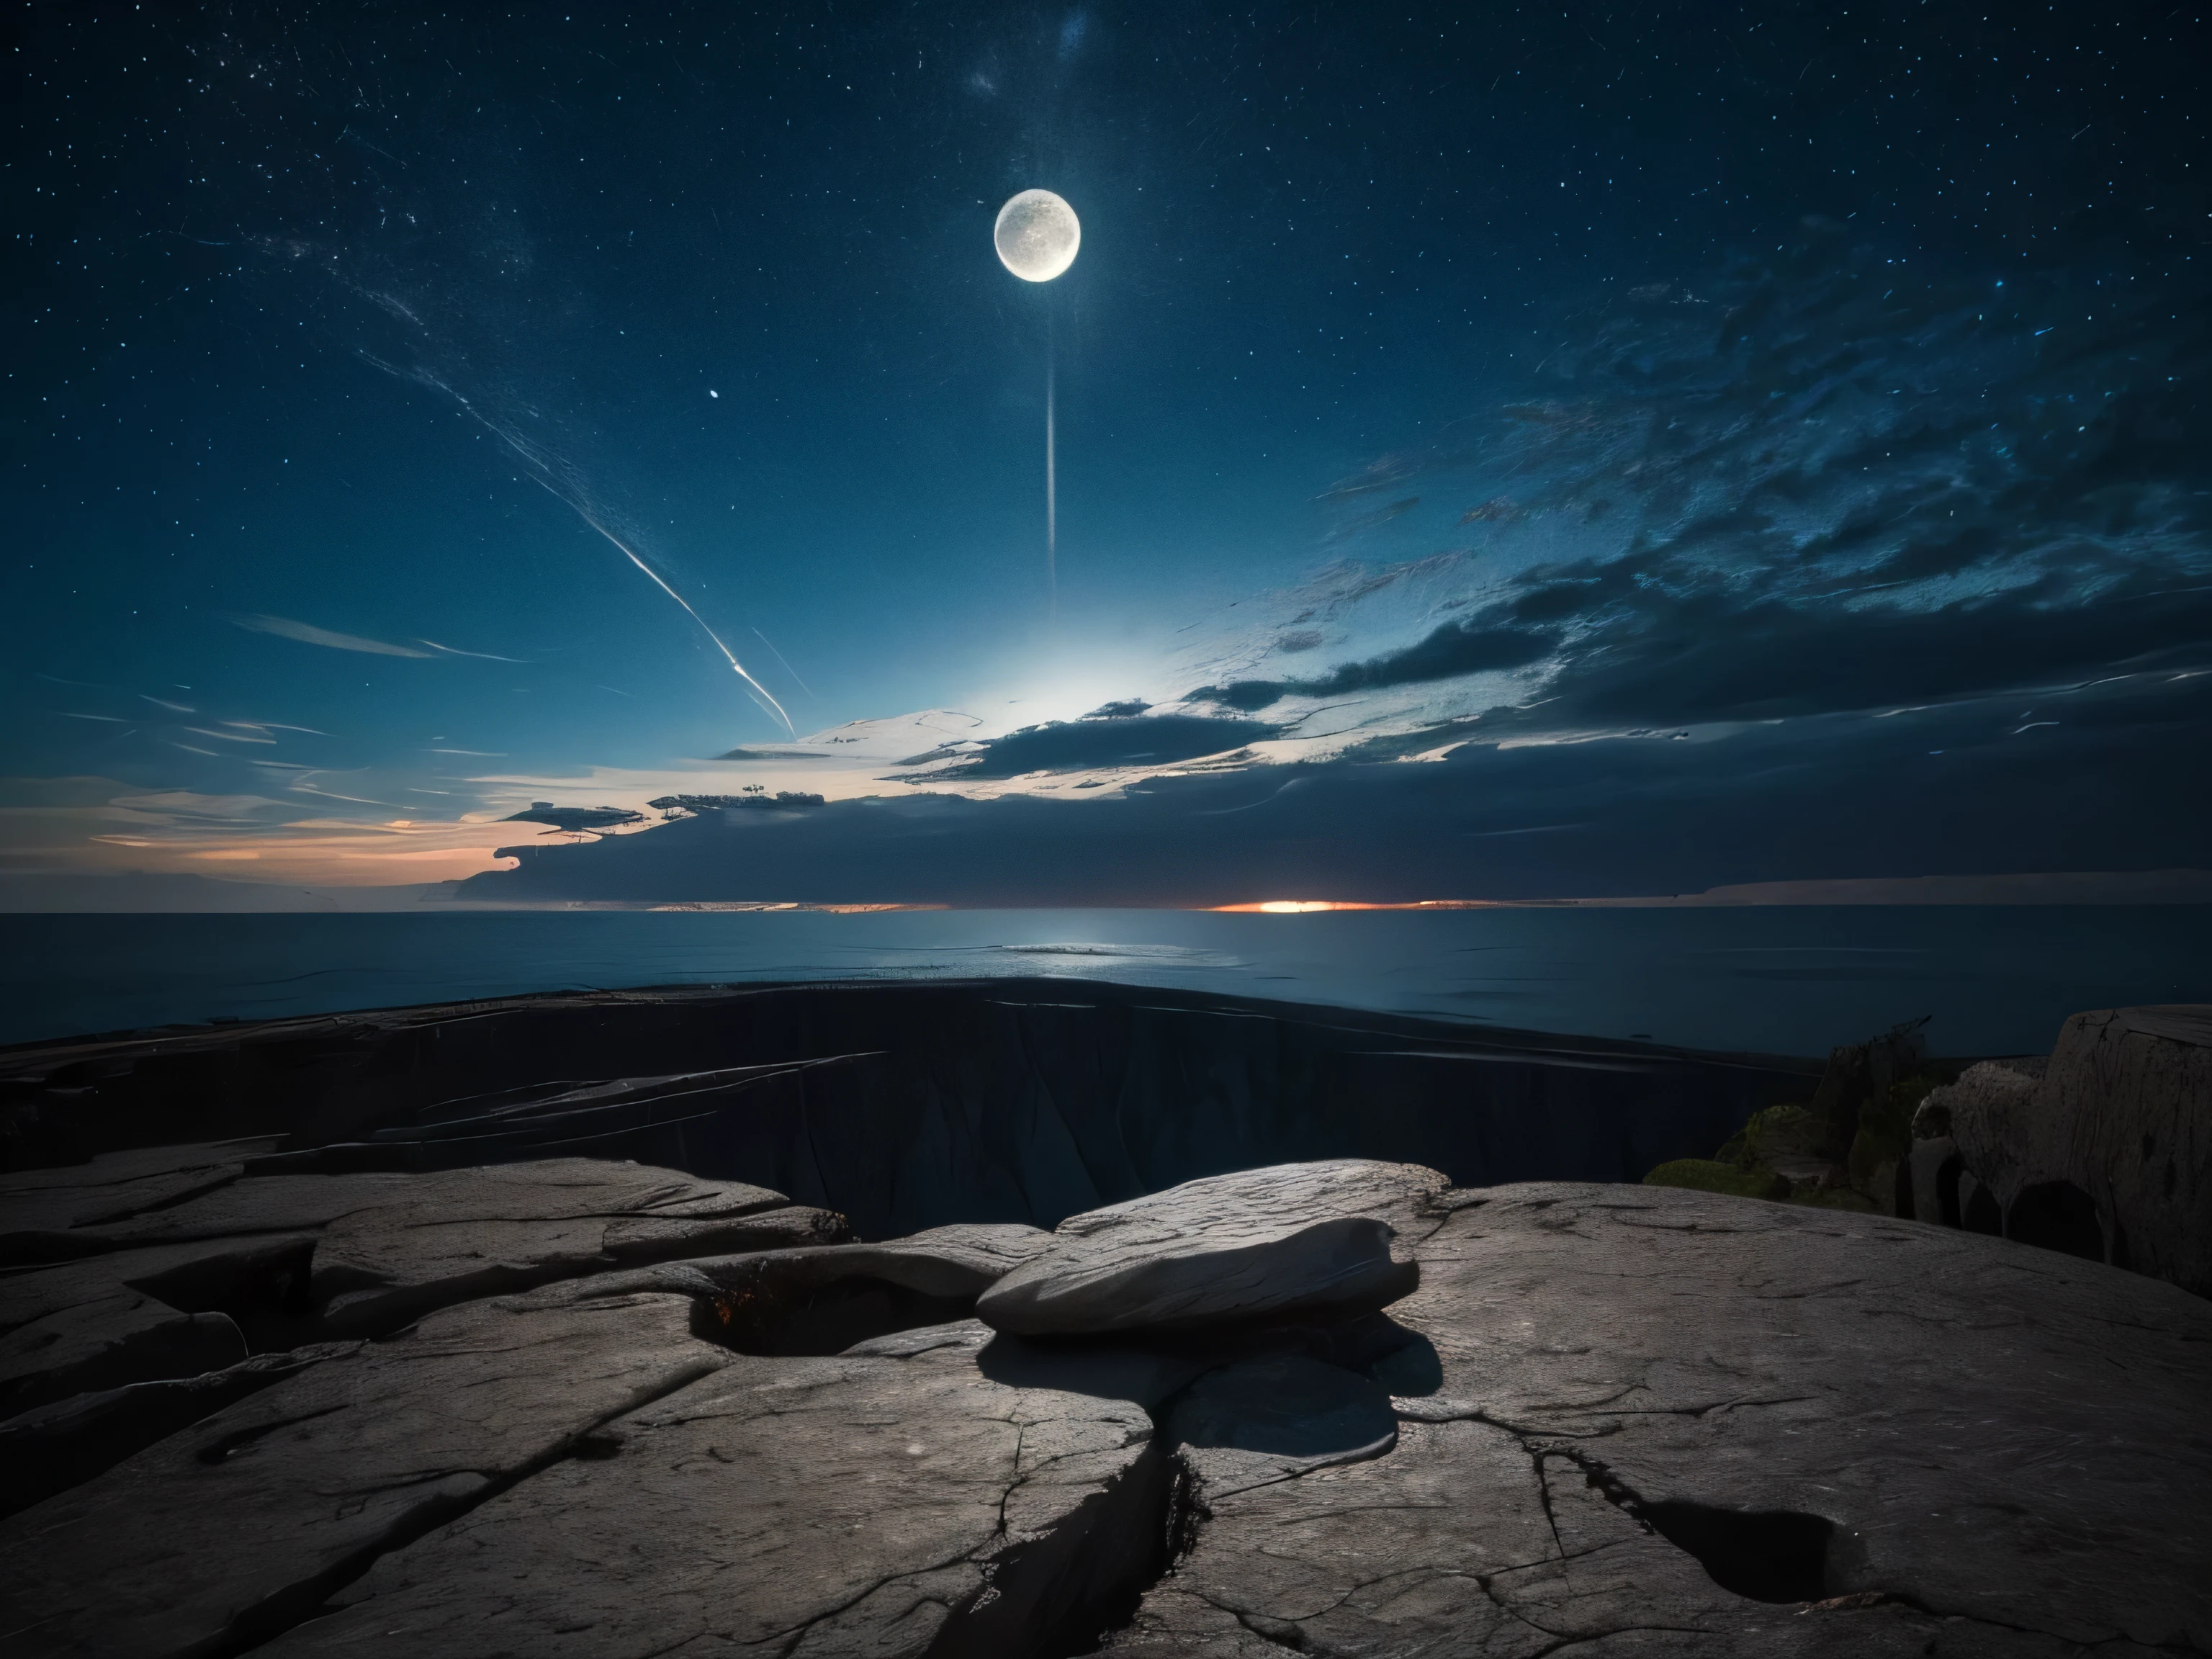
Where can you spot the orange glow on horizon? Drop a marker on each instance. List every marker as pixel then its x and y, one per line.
pixel 1302 907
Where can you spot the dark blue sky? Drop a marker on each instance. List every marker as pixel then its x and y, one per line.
pixel 1825 385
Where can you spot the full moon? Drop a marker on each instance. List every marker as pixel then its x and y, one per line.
pixel 1036 235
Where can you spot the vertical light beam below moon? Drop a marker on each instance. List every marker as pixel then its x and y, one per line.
pixel 1051 484
pixel 1036 234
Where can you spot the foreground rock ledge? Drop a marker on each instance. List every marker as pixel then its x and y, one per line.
pixel 1621 1420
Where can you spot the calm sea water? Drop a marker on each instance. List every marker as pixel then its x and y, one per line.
pixel 1781 981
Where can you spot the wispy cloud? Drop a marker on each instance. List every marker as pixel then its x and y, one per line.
pixel 227 737
pixel 307 634
pixel 455 650
pixel 307 785
pixel 163 702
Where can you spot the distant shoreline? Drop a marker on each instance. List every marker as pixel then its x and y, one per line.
pixel 150 893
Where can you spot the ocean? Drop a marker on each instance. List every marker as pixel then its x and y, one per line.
pixel 1780 979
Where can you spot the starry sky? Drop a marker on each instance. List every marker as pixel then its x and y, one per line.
pixel 1498 451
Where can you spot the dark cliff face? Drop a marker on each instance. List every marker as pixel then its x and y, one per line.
pixel 902 1105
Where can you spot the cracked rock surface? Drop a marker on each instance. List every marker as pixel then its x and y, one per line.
pixel 302 1257
pixel 43 1206
pixel 1665 1421
pixel 1335 1408
pixel 243 1523
pixel 861 1505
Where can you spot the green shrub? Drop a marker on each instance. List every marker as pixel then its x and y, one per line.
pixel 1788 1130
pixel 1885 1133
pixel 1705 1175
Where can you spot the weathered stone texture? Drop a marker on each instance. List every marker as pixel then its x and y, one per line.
pixel 861 1505
pixel 239 1526
pixel 1666 1420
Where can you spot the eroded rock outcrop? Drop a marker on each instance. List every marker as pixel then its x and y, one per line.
pixel 2104 1151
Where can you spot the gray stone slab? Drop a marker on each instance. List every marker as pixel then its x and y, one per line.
pixel 376 1268
pixel 42 1211
pixel 54 1447
pixel 547 1189
pixel 137 1163
pixel 853 1505
pixel 1260 1243
pixel 194 1275
pixel 129 1337
pixel 242 1524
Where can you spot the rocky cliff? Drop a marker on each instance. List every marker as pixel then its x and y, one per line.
pixel 2104 1150
pixel 902 1105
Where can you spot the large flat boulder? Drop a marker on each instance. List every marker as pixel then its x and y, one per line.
pixel 867 1504
pixel 1261 1243
pixel 1666 1422
pixel 241 1524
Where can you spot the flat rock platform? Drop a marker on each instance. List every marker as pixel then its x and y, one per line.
pixel 1344 1407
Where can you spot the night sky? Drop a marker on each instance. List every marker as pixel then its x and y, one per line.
pixel 1500 451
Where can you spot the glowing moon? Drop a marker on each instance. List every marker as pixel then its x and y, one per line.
pixel 1036 235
